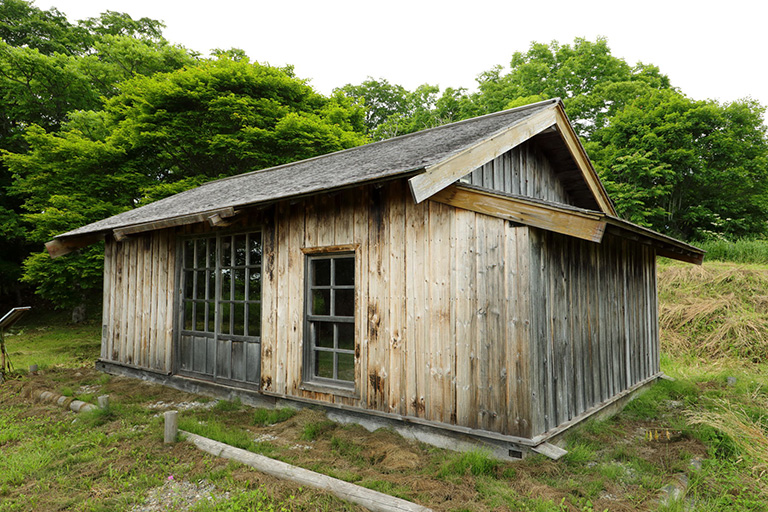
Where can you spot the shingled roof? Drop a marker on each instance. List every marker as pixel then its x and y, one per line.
pixel 400 156
pixel 432 160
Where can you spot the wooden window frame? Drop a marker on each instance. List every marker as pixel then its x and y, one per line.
pixel 310 380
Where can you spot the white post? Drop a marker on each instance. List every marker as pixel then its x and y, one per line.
pixel 171 426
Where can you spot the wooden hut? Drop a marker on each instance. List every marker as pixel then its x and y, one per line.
pixel 471 281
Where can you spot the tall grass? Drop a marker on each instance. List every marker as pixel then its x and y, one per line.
pixel 732 419
pixel 740 251
pixel 715 310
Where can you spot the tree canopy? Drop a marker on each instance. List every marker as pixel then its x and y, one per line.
pixel 105 114
pixel 691 169
pixel 160 135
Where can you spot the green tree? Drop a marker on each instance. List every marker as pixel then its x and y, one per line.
pixel 50 68
pixel 592 83
pixel 692 169
pixel 392 110
pixel 160 135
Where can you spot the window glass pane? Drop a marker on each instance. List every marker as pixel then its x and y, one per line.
pixel 324 364
pixel 254 248
pixel 345 271
pixel 239 314
pixel 346 336
pixel 200 253
pixel 346 367
pixel 321 302
pixel 187 315
pixel 240 250
pixel 323 334
pixel 209 308
pixel 211 284
pixel 200 317
pixel 189 253
pixel 226 251
pixel 211 252
pixel 226 283
pixel 200 285
pixel 345 302
pixel 254 319
pixel 254 276
pixel 189 283
pixel 224 316
pixel 322 272
pixel 239 275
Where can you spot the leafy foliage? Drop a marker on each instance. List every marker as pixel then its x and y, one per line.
pixel 50 71
pixel 160 135
pixel 692 169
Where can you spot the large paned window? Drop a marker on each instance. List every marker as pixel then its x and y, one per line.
pixel 329 357
pixel 221 306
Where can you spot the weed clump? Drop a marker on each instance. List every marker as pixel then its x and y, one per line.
pixel 266 417
pixel 475 462
pixel 312 431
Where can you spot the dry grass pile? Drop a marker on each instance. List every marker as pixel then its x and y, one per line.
pixel 714 310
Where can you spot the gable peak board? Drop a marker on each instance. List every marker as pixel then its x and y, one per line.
pixel 551 122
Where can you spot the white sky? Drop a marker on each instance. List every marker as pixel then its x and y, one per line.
pixel 710 50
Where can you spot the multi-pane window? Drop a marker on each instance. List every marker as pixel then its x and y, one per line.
pixel 330 317
pixel 199 275
pixel 222 272
pixel 240 270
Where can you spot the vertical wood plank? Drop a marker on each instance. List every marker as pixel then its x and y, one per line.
pixel 124 281
pixel 106 311
pixel 130 301
pixel 378 286
pixel 269 297
pixel 417 308
pixel 361 291
pixel 294 339
pixel 172 288
pixel 282 246
pixel 396 297
pixel 510 318
pixel 442 391
pixel 158 299
pixel 463 285
pixel 525 343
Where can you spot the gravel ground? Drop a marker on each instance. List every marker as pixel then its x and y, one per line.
pixel 179 495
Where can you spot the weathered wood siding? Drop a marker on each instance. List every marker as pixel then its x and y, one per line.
pixel 441 306
pixel 524 171
pixel 138 310
pixel 461 318
pixel 594 323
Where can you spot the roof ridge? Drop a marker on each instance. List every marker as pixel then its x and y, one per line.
pixel 399 137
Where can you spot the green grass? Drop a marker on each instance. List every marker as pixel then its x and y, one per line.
pixel 476 462
pixel 47 339
pixel 740 251
pixel 313 431
pixel 108 460
pixel 265 417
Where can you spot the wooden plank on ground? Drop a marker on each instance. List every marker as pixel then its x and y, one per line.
pixel 372 500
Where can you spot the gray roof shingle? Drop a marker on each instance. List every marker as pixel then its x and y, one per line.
pixel 372 162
